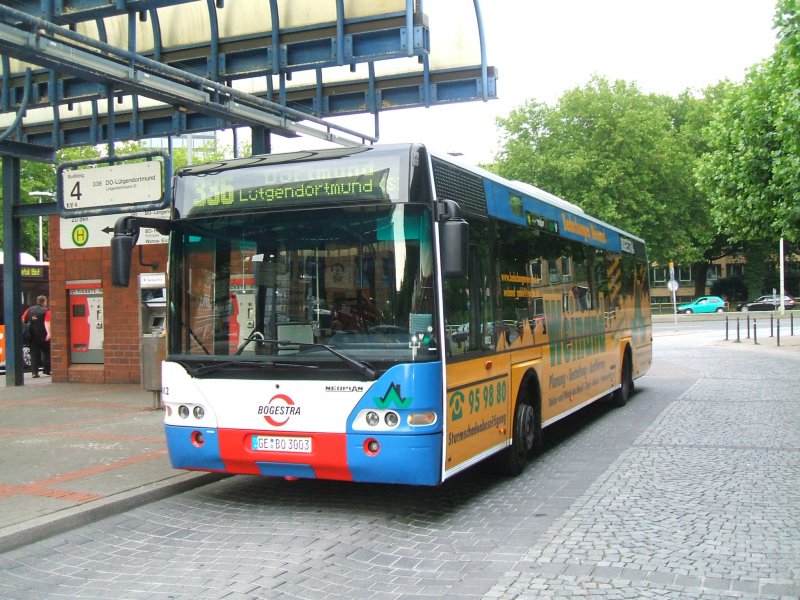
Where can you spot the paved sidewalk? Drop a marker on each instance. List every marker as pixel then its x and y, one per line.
pixel 74 453
pixel 703 504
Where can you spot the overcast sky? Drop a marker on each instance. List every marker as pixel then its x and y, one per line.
pixel 542 48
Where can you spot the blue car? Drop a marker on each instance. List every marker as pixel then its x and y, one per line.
pixel 703 304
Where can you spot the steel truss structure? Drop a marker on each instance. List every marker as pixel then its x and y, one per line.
pixel 91 72
pixel 78 63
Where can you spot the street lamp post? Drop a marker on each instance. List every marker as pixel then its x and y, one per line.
pixel 39 195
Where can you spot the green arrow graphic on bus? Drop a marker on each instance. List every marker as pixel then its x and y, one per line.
pixel 393 395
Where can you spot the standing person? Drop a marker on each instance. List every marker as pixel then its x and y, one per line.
pixel 39 318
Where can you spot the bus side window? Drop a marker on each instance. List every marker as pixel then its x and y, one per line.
pixel 468 311
pixel 457 312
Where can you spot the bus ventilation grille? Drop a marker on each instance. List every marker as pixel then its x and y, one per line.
pixel 453 183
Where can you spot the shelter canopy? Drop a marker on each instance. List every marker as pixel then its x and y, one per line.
pixel 78 72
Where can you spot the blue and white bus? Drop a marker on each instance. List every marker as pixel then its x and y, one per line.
pixel 385 314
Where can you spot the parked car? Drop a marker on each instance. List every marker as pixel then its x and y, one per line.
pixel 26 360
pixel 769 302
pixel 703 304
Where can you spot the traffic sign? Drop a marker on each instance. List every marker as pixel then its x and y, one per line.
pixel 672 285
pixel 96 232
pixel 126 183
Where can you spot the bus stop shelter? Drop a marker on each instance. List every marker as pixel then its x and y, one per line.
pixel 96 72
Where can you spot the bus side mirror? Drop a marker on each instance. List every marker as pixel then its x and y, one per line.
pixel 121 252
pixel 454 239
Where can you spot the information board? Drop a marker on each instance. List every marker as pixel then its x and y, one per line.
pixel 114 185
pixel 96 232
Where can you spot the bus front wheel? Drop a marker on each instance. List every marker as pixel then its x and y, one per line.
pixel 523 442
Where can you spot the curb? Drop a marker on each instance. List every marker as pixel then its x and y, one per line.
pixel 34 530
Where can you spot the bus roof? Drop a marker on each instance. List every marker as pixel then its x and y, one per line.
pixel 532 192
pixel 526 190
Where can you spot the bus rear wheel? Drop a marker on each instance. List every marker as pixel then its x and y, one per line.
pixel 621 395
pixel 513 459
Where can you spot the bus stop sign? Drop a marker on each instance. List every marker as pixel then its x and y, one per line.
pixel 119 186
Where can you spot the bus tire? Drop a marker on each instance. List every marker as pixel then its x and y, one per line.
pixel 621 394
pixel 524 440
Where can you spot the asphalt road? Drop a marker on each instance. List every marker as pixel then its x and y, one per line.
pixel 690 491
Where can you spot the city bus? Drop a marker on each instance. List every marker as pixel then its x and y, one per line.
pixel 384 314
pixel 34 279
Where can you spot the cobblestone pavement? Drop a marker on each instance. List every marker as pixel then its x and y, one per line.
pixel 690 491
pixel 706 502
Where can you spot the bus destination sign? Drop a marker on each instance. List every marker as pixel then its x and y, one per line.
pixel 222 193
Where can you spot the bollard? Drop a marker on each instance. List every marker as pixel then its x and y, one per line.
pixel 779 332
pixel 726 328
pixel 791 325
pixel 738 339
pixel 771 328
pixel 748 327
pixel 755 332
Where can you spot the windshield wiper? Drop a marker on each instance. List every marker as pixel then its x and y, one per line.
pixel 205 369
pixel 359 366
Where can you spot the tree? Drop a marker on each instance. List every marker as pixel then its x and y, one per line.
pixel 618 153
pixel 41 177
pixel 691 115
pixel 751 172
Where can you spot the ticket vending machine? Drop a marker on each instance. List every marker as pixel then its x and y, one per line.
pixel 152 325
pixel 86 321
pixel 153 305
pixel 243 313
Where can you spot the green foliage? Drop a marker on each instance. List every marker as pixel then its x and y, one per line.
pixel 732 289
pixel 757 268
pixel 622 155
pixel 752 170
pixel 41 177
pixel 207 152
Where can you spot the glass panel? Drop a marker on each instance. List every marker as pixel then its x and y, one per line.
pixel 357 279
pixel 297 179
pixel 469 318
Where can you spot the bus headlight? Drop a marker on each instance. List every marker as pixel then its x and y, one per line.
pixel 183 411
pixel 372 418
pixel 199 412
pixel 391 419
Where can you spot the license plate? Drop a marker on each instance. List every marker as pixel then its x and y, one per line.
pixel 275 443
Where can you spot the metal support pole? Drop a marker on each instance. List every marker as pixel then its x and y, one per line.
pixel 726 328
pixel 771 326
pixel 755 332
pixel 261 142
pixel 39 195
pixel 748 327
pixel 12 278
pixel 779 332
pixel 738 338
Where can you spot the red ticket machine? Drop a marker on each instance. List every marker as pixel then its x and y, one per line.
pixel 85 321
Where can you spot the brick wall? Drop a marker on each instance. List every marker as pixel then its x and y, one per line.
pixel 120 311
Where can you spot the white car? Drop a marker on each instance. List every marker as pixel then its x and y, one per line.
pixel 26 360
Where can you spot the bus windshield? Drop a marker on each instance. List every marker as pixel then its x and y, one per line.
pixel 277 287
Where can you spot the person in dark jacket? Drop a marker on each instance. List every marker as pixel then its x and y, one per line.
pixel 38 317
